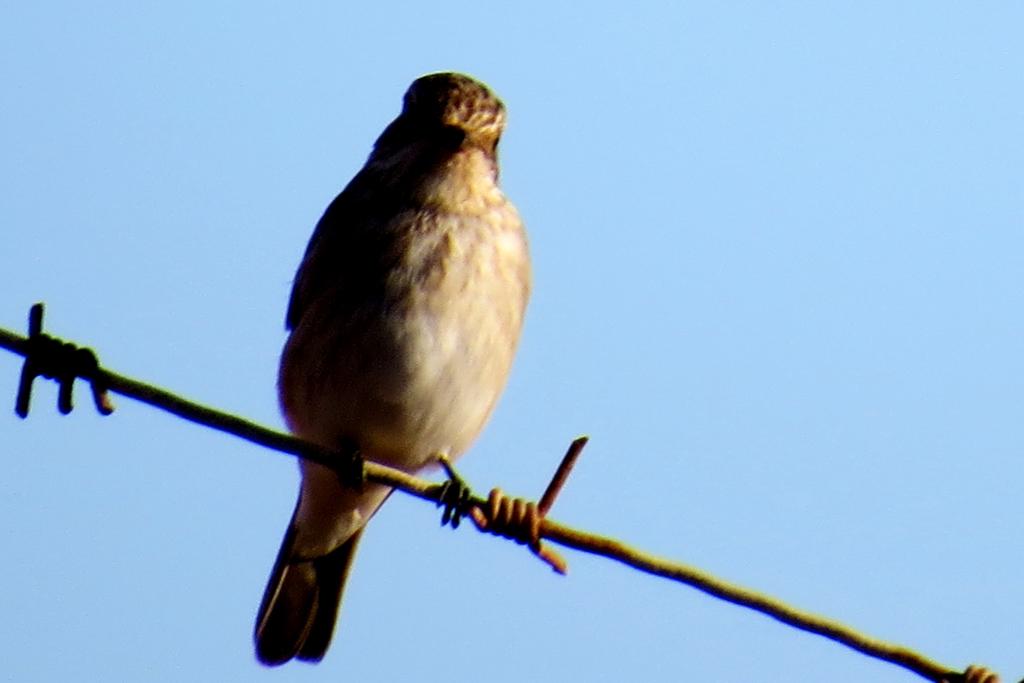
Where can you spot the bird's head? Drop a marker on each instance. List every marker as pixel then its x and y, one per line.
pixel 446 109
pixel 456 101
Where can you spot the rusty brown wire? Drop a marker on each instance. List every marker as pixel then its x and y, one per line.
pixel 517 519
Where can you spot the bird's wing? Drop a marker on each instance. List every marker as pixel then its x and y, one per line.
pixel 332 248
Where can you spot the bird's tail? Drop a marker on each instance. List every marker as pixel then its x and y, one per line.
pixel 300 605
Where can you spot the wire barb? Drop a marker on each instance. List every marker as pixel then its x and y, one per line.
pixel 974 674
pixel 48 357
pixel 520 520
pixel 561 474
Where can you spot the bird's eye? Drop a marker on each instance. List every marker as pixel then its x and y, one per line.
pixel 452 136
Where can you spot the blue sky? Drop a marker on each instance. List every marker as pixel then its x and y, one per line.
pixel 778 256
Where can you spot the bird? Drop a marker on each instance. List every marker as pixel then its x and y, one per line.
pixel 404 318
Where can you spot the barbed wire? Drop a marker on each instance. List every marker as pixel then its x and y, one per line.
pixel 522 521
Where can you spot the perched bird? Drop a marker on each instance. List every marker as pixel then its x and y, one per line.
pixel 405 315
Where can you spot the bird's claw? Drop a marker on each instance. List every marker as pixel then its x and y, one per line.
pixel 351 469
pixel 455 495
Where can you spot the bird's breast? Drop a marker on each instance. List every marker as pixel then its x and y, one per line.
pixel 416 367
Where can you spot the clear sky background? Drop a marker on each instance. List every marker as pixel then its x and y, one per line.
pixel 779 259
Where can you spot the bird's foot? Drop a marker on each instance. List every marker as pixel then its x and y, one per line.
pixel 351 468
pixel 456 495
